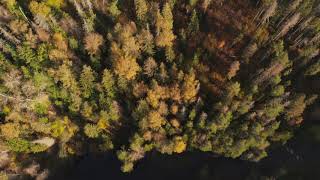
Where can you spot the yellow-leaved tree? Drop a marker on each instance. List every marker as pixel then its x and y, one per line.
pixel 179 145
pixel 127 67
pixel 92 43
pixel 190 87
pixel 164 25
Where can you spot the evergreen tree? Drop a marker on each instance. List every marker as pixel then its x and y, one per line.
pixel 87 81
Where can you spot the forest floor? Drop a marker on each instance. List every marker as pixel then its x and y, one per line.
pixel 227 27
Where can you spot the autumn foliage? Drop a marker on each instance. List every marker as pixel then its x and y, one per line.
pixel 221 77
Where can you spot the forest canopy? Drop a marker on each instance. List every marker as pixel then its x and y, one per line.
pixel 81 77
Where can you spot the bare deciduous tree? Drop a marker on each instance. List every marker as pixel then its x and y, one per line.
pixel 291 22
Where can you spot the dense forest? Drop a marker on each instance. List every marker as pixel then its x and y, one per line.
pixel 226 78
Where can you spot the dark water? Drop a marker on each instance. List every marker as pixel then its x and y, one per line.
pixel 298 159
